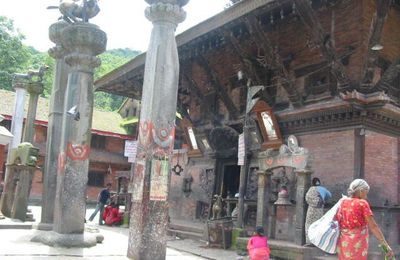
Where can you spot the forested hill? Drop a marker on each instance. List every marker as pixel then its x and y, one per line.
pixel 17 57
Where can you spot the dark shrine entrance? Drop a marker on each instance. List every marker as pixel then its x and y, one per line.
pixel 230 183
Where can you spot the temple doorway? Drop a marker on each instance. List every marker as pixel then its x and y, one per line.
pixel 230 181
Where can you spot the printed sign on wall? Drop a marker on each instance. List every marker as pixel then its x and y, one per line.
pixel 159 180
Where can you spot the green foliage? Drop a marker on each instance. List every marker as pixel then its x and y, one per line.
pixel 14 55
pixel 111 60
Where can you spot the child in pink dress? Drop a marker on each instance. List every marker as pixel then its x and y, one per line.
pixel 258 245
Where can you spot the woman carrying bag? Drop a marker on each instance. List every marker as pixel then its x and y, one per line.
pixel 355 218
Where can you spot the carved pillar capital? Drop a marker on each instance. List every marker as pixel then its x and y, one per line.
pixel 84 39
pixel 57 52
pixel 56 30
pixel 165 11
pixel 35 88
pixel 82 61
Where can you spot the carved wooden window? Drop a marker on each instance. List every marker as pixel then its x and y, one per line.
pixel 190 138
pixel 268 125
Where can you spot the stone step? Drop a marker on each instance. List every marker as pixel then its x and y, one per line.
pixel 30 217
pixel 188 228
pixel 185 234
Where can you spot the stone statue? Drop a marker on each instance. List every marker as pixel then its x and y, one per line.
pixel 71 10
pixel 217 207
pixel 32 75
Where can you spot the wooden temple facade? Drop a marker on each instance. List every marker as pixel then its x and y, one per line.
pixel 329 71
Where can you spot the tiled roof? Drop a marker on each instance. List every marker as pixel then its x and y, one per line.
pixel 102 120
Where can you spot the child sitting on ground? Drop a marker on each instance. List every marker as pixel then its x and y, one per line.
pixel 258 245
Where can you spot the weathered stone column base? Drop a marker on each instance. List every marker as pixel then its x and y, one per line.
pixel 55 239
pixel 44 226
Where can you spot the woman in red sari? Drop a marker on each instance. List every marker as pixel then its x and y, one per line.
pixel 355 219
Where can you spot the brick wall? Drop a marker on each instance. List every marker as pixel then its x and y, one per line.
pixel 115 145
pixel 382 168
pixel 333 159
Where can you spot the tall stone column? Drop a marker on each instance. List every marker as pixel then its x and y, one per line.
pixel 149 212
pixel 16 129
pixel 83 41
pixel 263 198
pixel 18 116
pixel 54 125
pixel 34 89
pixel 303 184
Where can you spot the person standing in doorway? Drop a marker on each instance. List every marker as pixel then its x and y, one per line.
pixel 102 200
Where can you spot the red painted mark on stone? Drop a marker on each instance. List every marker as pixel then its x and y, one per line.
pixel 61 162
pixel 78 152
pixel 145 129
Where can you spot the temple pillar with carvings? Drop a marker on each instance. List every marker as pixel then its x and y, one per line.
pixel 149 212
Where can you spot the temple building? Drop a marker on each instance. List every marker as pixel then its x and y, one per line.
pixel 325 71
pixel 107 161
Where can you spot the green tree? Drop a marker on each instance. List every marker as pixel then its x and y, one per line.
pixel 111 60
pixel 14 56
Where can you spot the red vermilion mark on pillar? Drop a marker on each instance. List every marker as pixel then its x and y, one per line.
pixel 145 134
pixel 269 161
pixel 78 152
pixel 61 162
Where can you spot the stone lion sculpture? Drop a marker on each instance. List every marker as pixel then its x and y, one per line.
pixel 73 10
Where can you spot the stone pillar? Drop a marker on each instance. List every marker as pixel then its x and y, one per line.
pixel 149 214
pixel 18 116
pixel 16 129
pixel 263 198
pixel 22 190
pixel 83 41
pixel 303 184
pixel 54 125
pixel 34 90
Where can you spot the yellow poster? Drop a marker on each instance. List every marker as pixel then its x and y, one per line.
pixel 159 180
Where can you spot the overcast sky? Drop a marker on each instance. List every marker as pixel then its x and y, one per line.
pixel 122 20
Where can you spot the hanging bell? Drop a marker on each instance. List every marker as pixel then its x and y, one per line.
pixel 283 198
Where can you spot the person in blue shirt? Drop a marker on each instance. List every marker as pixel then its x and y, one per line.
pixel 324 192
pixel 102 200
pixel 316 197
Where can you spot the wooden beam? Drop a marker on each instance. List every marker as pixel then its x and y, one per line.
pixel 389 76
pixel 222 93
pixel 324 41
pixel 375 34
pixel 245 60
pixel 264 43
pixel 196 92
